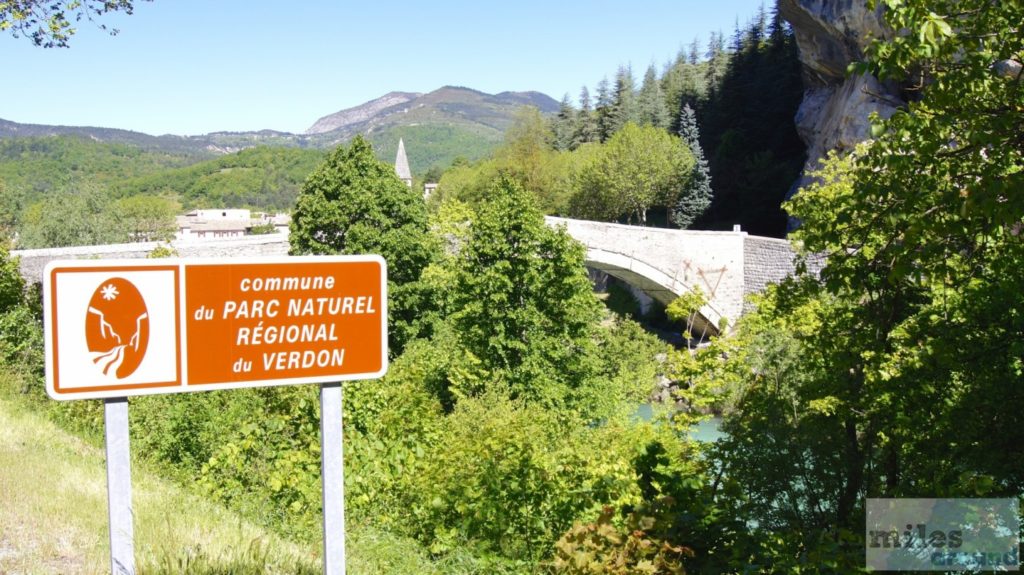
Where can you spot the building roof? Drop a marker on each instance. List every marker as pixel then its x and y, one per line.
pixel 402 162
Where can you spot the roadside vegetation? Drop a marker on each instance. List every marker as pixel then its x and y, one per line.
pixel 504 438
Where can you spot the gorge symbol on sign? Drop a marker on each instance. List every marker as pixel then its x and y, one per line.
pixel 117 328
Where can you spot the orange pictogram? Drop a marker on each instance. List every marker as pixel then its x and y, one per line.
pixel 117 328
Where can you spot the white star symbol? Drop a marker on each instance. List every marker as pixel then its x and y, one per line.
pixel 109 292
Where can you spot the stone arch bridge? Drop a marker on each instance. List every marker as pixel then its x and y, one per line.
pixel 661 263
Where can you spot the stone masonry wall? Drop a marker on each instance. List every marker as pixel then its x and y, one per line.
pixel 33 261
pixel 661 262
pixel 765 260
pixel 665 263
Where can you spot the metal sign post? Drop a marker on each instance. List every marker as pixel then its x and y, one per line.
pixel 333 477
pixel 119 486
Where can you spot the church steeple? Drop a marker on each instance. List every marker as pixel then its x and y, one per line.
pixel 402 165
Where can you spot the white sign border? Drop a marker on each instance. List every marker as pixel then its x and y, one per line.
pixel 49 320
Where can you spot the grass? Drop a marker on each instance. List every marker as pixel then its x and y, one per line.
pixel 53 514
pixel 53 517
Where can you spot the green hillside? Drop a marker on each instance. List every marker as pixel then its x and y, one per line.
pixel 267 178
pixel 35 165
pixel 435 145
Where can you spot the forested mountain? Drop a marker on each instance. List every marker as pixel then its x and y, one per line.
pixel 731 104
pixel 437 127
pixel 167 144
pixel 450 104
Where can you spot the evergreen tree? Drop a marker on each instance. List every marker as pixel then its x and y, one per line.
pixel 748 134
pixel 651 107
pixel 587 128
pixel 696 195
pixel 717 60
pixel 604 111
pixel 624 108
pixel 693 57
pixel 683 83
pixel 564 125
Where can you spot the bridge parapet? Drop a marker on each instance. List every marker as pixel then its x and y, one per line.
pixel 666 263
pixel 663 263
pixel 33 261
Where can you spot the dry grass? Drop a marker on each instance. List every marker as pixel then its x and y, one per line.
pixel 53 514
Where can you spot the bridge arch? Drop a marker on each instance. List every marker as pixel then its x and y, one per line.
pixel 655 283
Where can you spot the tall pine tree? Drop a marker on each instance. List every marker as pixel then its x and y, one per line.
pixel 651 108
pixel 564 125
pixel 624 109
pixel 587 128
pixel 748 132
pixel 604 110
pixel 695 197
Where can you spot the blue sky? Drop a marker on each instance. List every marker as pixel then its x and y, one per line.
pixel 196 66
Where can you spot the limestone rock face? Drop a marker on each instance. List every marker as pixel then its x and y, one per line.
pixel 835 110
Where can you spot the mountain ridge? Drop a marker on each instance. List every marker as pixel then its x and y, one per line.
pixel 449 104
pixel 438 126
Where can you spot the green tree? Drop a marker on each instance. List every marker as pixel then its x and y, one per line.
pixel 624 106
pixel 433 175
pixel 526 156
pixel 12 286
pixel 526 309
pixel 50 23
pixel 718 59
pixel 11 205
pixel 355 204
pixel 564 125
pixel 70 218
pixel 639 167
pixel 604 110
pixel 146 218
pixel 650 102
pixel 587 128
pixel 527 142
pixel 696 196
pixel 684 83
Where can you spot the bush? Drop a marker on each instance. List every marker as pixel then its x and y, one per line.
pixel 512 477
pixel 270 467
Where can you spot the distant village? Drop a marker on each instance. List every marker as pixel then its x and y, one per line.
pixel 220 223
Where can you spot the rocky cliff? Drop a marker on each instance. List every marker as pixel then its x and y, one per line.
pixel 361 113
pixel 836 106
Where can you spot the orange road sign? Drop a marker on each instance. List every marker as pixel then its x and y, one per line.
pixel 116 328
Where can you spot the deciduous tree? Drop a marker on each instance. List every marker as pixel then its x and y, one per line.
pixel 355 204
pixel 526 309
pixel 639 167
pixel 51 23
